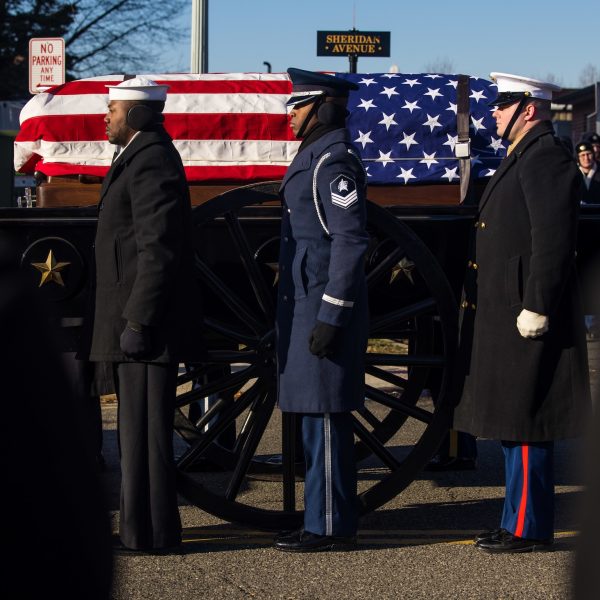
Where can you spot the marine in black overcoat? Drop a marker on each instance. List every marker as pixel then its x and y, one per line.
pixel 517 388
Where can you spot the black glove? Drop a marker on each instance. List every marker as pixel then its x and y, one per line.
pixel 324 339
pixel 136 341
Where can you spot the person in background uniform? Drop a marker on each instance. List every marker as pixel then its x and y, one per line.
pixel 526 380
pixel 322 313
pixel 147 316
pixel 591 137
pixel 591 174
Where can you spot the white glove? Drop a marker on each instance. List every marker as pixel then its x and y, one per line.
pixel 531 325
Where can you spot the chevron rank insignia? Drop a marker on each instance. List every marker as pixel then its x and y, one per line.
pixel 343 191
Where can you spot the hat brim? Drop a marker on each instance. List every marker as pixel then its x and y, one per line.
pixel 507 98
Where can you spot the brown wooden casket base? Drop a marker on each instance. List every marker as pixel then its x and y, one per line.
pixel 84 190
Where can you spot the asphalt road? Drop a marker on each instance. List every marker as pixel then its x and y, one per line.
pixel 416 546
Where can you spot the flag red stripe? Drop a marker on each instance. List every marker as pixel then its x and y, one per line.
pixel 193 126
pixel 234 174
pixel 220 86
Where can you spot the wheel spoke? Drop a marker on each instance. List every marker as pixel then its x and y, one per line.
pixel 383 322
pixel 213 432
pixel 405 360
pixel 229 297
pixel 227 382
pixel 384 267
pixel 257 281
pixel 228 331
pixel 369 417
pixel 261 415
pixel 375 445
pixel 386 376
pixel 396 404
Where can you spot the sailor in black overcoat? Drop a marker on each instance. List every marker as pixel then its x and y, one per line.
pixel 322 313
pixel 523 337
pixel 147 309
pixel 590 172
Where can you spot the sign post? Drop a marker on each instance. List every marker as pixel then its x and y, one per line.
pixel 46 63
pixel 353 44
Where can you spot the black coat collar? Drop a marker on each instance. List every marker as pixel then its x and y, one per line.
pixel 141 141
pixel 541 129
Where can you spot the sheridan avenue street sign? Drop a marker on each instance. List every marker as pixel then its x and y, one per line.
pixel 353 42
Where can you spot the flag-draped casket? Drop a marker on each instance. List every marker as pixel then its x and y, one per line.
pixel 233 127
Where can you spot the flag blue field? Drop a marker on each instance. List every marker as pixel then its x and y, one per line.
pixel 404 126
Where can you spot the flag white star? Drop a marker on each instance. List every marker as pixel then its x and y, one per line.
pixel 367 82
pixel 367 172
pixel 453 83
pixel 411 105
pixel 453 107
pixel 451 141
pixel 429 159
pixel 433 76
pixel 364 138
pixel 433 93
pixel 388 120
pixel 432 122
pixel 390 75
pixel 477 124
pixel 406 175
pixel 450 174
pixel 389 92
pixel 384 158
pixel 408 140
pixel 411 82
pixel 495 144
pixel 366 104
pixel 478 95
pixel 489 173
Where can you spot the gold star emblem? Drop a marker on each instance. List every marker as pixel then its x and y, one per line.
pixel 405 266
pixel 50 270
pixel 275 268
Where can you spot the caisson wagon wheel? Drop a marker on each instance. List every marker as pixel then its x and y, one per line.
pixel 412 339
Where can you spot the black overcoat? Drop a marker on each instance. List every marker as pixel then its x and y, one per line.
pixel 322 277
pixel 144 254
pixel 591 195
pixel 518 389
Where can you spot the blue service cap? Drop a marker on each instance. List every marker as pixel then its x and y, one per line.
pixel 308 85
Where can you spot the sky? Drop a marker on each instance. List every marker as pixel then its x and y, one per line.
pixel 534 38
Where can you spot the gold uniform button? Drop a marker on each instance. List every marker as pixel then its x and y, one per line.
pixel 482 225
pixel 473 306
pixel 476 224
pixel 464 304
pixel 474 266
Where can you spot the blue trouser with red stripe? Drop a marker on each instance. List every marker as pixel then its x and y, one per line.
pixel 529 501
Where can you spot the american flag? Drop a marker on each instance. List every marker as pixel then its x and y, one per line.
pixel 227 127
pixel 234 127
pixel 405 127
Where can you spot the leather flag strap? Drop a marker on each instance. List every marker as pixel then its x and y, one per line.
pixel 463 142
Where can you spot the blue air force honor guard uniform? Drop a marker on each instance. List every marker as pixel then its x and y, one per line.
pixel 525 361
pixel 322 314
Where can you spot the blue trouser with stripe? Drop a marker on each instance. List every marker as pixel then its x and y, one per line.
pixel 529 501
pixel 330 506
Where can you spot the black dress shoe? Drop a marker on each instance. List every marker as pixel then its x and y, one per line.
pixel 505 543
pixel 451 463
pixel 305 541
pixel 492 533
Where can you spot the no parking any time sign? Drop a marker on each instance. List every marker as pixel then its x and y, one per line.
pixel 46 63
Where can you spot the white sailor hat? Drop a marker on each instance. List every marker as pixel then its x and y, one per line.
pixel 138 88
pixel 512 88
